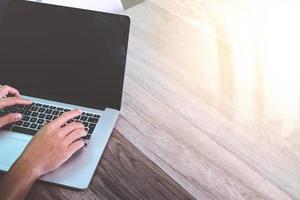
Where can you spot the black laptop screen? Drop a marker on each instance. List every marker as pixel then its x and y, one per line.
pixel 64 54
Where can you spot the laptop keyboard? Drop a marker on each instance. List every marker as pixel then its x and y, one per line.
pixel 36 115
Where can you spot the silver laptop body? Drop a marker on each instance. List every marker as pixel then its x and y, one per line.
pixel 78 171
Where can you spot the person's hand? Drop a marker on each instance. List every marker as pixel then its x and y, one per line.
pixel 49 148
pixel 53 144
pixel 13 99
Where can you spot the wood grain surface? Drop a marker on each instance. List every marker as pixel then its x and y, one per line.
pixel 200 107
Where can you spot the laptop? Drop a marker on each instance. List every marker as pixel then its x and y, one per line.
pixel 62 58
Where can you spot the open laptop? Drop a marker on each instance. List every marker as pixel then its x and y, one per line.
pixel 62 58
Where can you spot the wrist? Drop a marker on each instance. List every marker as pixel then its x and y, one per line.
pixel 18 181
pixel 25 169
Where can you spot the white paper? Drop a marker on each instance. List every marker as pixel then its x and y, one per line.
pixel 113 6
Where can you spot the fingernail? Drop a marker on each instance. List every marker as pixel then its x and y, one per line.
pixel 18 116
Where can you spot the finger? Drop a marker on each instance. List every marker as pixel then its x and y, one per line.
pixel 5 90
pixel 75 146
pixel 10 118
pixel 75 135
pixel 10 101
pixel 71 127
pixel 60 121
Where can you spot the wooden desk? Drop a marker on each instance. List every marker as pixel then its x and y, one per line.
pixel 193 116
pixel 200 106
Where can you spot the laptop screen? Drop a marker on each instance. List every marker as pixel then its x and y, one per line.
pixel 64 54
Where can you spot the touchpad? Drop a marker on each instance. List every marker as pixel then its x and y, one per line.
pixel 10 150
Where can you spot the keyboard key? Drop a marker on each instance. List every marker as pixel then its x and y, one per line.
pixel 33 126
pixel 48 111
pixel 49 117
pixel 34 114
pixel 67 110
pixel 93 120
pixel 24 130
pixel 96 116
pixel 19 123
pixel 40 121
pixel 89 114
pixel 55 112
pixel 27 113
pixel 91 130
pixel 83 118
pixel 33 119
pixel 26 124
pixel 42 116
pixel 91 125
pixel 39 127
pixel 60 109
pixel 41 110
pixel 45 106
pixel 52 107
pixel 26 118
pixel 34 108
pixel 38 104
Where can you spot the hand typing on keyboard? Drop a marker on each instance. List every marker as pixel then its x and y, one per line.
pixel 53 144
pixel 13 99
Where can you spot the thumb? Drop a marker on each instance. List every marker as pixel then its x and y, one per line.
pixel 9 119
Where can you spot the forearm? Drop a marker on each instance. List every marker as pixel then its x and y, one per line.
pixel 17 182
